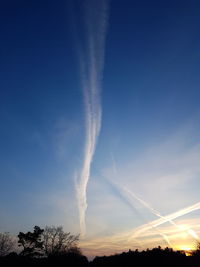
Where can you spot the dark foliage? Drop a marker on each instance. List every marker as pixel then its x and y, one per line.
pixel 68 260
pixel 31 242
pixel 154 257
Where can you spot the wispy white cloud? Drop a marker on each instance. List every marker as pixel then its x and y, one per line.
pixel 91 65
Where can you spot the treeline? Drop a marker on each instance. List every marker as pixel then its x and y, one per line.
pixel 54 247
pixel 156 257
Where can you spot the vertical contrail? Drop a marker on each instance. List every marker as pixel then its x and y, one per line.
pixel 91 65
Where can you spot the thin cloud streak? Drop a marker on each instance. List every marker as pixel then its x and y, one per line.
pixel 191 232
pixel 145 204
pixel 128 198
pixel 91 65
pixel 137 238
pixel 165 219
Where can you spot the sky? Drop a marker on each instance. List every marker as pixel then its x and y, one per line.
pixel 99 112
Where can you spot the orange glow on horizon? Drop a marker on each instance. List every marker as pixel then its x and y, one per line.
pixel 187 248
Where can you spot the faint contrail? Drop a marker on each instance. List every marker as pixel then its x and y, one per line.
pixel 129 195
pixel 191 232
pixel 132 234
pixel 153 211
pixel 155 223
pixel 125 239
pixel 91 65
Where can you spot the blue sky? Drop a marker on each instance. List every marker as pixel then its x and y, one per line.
pixel 148 105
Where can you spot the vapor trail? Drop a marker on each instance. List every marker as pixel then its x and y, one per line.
pixel 167 218
pixel 191 232
pixel 91 65
pixel 128 195
pixel 125 239
pixel 153 211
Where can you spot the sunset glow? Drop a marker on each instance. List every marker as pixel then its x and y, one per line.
pixel 100 121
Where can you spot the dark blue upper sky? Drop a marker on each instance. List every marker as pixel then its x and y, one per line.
pixel 150 90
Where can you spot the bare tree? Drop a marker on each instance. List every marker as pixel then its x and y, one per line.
pixel 57 242
pixel 6 244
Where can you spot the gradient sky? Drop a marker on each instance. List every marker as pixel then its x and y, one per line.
pixel 147 158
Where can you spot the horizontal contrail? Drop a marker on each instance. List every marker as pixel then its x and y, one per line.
pixel 91 65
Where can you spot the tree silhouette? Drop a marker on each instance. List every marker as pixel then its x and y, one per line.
pixel 31 242
pixel 57 242
pixel 6 244
pixel 196 252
